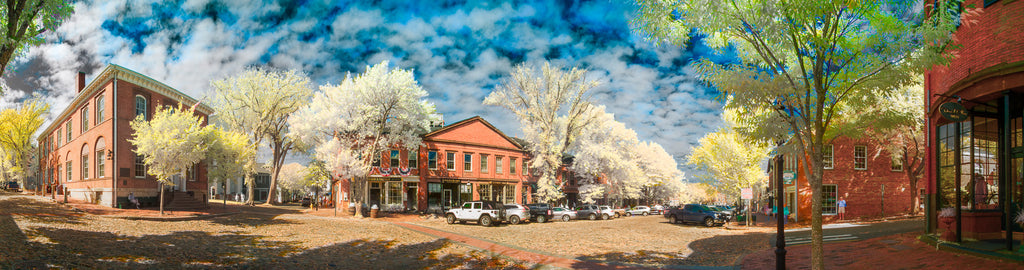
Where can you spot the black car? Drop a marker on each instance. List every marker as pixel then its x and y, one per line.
pixel 540 212
pixel 12 186
pixel 696 213
pixel 305 202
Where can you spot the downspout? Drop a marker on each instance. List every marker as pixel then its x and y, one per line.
pixel 113 141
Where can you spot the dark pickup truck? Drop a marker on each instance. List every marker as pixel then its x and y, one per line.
pixel 696 213
pixel 11 186
pixel 540 212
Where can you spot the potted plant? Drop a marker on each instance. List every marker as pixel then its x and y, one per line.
pixel 948 216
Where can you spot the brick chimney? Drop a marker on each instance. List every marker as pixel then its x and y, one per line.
pixel 81 81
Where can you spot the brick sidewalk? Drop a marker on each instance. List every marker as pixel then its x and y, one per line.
pixel 902 251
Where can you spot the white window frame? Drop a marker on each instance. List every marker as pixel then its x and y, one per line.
pixel 85 118
pixel 861 150
pixel 467 162
pixel 483 163
pixel 828 157
pixel 144 110
pixel 835 199
pixel 512 165
pixel 99 108
pixel 412 160
pixel 394 160
pixel 498 168
pixel 450 161
pixel 432 164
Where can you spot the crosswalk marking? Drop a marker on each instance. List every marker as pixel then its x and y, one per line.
pixel 827 238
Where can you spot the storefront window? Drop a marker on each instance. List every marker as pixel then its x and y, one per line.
pixel 968 164
pixel 829 199
pixel 394 193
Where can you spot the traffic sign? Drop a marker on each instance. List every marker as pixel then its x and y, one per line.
pixel 747 193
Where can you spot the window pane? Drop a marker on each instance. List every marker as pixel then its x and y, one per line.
pixel 451 161
pixel 829 199
pixel 860 157
pixel 432 161
pixel 467 162
pixel 394 158
pixel 827 156
pixel 512 166
pixel 483 163
pixel 413 161
pixel 497 164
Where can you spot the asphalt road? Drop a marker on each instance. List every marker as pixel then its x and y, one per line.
pixel 851 231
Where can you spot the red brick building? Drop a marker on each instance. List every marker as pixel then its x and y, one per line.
pixel 463 161
pixel 85 150
pixel 974 110
pixel 856 170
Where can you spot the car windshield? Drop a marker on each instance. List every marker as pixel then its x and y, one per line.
pixel 704 207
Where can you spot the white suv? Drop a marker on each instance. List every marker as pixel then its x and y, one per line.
pixel 606 212
pixel 516 213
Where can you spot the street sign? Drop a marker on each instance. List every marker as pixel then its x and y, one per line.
pixel 747 193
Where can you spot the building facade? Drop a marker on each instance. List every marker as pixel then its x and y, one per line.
pixel 463 161
pixel 856 170
pixel 85 151
pixel 974 109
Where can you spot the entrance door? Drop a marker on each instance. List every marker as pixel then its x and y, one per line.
pixel 375 194
pixel 411 197
pixel 446 199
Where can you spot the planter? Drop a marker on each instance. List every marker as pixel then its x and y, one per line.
pixel 950 226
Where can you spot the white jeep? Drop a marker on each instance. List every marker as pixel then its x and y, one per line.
pixel 487 213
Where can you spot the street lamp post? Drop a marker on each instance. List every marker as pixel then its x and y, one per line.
pixel 780 241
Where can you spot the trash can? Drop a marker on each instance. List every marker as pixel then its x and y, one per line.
pixel 373 211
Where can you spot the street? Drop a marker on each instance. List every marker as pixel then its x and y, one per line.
pixel 852 231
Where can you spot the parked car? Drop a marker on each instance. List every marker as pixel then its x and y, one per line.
pixel 588 211
pixel 305 202
pixel 639 210
pixel 12 186
pixel 695 213
pixel 540 212
pixel 516 213
pixel 606 212
pixel 724 210
pixel 619 212
pixel 565 214
pixel 487 213
pixel 657 209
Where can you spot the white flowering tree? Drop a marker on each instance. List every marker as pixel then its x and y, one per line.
pixel 173 141
pixel 606 150
pixel 347 126
pixel 229 155
pixel 259 102
pixel 662 174
pixel 551 105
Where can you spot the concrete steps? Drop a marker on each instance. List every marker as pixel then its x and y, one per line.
pixel 183 201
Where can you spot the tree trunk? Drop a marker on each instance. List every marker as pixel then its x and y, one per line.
pixel 280 151
pixel 914 196
pixel 356 194
pixel 161 199
pixel 250 182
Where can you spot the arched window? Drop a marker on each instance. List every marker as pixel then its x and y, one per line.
pixel 140 107
pixel 101 158
pixel 85 161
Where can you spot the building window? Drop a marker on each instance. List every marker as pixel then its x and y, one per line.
pixel 826 154
pixel 394 190
pixel 828 199
pixel 897 164
pixel 483 163
pixel 525 168
pixel 85 162
pixel 450 163
pixel 190 174
pixel 789 163
pixel 58 137
pixel 140 166
pixel 498 164
pixel 376 159
pixel 512 166
pixel 68 165
pixel 860 157
pixel 140 107
pixel 432 160
pixel 413 161
pixel 99 109
pixel 101 157
pixel 467 162
pixel 394 158
pixel 85 119
pixel 68 126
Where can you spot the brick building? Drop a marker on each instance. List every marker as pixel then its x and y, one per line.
pixel 85 150
pixel 974 110
pixel 856 170
pixel 467 160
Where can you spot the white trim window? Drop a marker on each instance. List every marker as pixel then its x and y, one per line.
pixel 451 161
pixel 412 162
pixel 483 163
pixel 140 166
pixel 85 118
pixel 498 160
pixel 432 160
pixel 512 165
pixel 141 106
pixel 394 158
pixel 68 125
pixel 85 162
pixel 827 157
pixel 860 157
pixel 99 108
pixel 829 196
pixel 467 162
pixel 68 165
pixel 897 164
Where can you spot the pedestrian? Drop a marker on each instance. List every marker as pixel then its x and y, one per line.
pixel 133 200
pixel 842 208
pixel 785 215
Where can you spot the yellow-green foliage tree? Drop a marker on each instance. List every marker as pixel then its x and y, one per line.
pixel 727 161
pixel 171 142
pixel 229 156
pixel 803 63
pixel 17 128
pixel 22 23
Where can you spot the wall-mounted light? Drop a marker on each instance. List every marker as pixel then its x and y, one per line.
pixel 110 154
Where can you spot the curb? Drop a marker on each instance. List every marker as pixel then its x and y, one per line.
pixel 185 218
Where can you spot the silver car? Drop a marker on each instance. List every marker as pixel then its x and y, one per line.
pixel 516 213
pixel 639 210
pixel 565 214
pixel 606 212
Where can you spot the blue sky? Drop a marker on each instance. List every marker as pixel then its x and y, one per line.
pixel 459 50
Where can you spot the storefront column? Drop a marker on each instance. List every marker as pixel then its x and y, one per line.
pixel 1006 189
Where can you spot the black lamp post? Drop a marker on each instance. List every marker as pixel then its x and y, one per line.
pixel 780 241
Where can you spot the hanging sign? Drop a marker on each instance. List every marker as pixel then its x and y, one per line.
pixel 747 193
pixel 788 176
pixel 953 111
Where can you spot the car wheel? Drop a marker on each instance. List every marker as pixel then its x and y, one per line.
pixel 593 217
pixel 542 219
pixel 709 222
pixel 514 220
pixel 450 218
pixel 565 218
pixel 675 219
pixel 485 221
pixel 605 217
pixel 629 214
pixel 646 213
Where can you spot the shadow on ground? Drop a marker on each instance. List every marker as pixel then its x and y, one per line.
pixel 720 250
